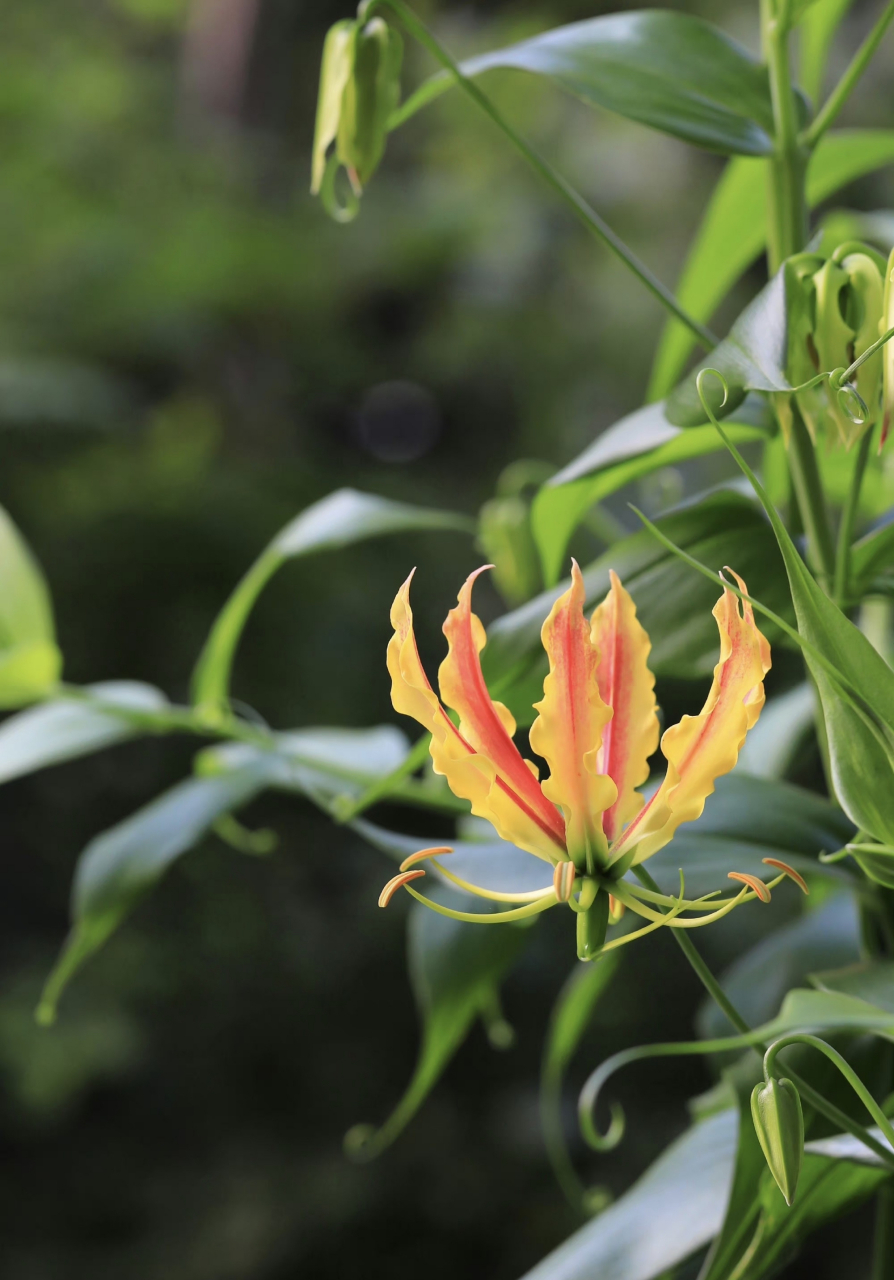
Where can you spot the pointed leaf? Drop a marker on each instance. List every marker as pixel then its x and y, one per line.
pixel 339 520
pixel 667 70
pixel 63 730
pixel 676 1207
pixel 455 969
pixel 636 446
pixel 30 662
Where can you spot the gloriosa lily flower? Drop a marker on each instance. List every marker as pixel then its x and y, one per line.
pixel 597 727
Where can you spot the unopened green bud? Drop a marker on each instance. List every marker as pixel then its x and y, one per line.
pixel 779 1125
pixel 370 96
pixel 504 534
pixel 865 307
pixel 359 89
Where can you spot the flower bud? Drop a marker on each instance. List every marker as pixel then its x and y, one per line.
pixel 779 1124
pixel 359 89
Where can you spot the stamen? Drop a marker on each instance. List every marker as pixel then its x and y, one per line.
pixel 788 871
pixel 396 883
pixel 434 852
pixel 616 909
pixel 563 880
pixel 753 882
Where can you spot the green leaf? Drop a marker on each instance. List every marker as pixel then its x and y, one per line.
pixel 676 1207
pixel 870 557
pixel 752 357
pixel 636 446
pixel 858 700
pixel 30 662
pixel 120 866
pixel 873 980
pixel 774 743
pixel 734 231
pixel 847 1146
pixel 749 819
pixel 117 868
pixel 339 520
pixel 455 969
pixel 570 1018
pixel 757 983
pixel 726 527
pixel 818 27
pixel 64 729
pixel 667 70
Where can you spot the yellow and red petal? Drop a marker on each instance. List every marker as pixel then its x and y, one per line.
pixel 486 725
pixel 628 686
pixel 470 775
pixel 702 748
pixel 568 731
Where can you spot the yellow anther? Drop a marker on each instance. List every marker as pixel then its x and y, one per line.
pixel 788 871
pixel 434 852
pixel 563 880
pixel 753 882
pixel 396 883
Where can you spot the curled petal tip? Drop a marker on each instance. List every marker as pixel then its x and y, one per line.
pixel 397 882
pixel 434 852
pixel 788 871
pixel 753 882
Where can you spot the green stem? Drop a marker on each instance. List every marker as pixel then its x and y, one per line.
pixel 883 1241
pixel 843 89
pixel 808 486
pixel 723 1002
pixel 572 198
pixel 848 520
pixel 787 222
pixel 843 1066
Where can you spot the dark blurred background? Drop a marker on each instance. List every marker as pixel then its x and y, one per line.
pixel 190 352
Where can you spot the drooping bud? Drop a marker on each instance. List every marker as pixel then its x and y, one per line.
pixel 359 89
pixel 779 1125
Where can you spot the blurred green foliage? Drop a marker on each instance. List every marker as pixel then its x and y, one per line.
pixel 190 353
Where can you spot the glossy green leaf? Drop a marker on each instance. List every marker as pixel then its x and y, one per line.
pixel 455 969
pixel 752 357
pixel 118 867
pixel 67 728
pixel 30 662
pixel 675 1208
pixel 636 446
pixel 859 714
pixel 746 820
pixel 570 1018
pixel 758 981
pixel 871 980
pixel 339 520
pixel 846 1146
pixel 726 527
pixel 734 231
pixel 772 746
pixel 667 70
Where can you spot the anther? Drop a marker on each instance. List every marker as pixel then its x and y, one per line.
pixel 788 871
pixel 616 909
pixel 753 882
pixel 396 883
pixel 563 880
pixel 434 852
